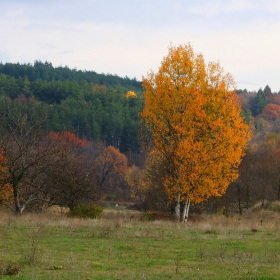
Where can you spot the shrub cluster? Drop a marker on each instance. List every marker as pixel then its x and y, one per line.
pixel 152 216
pixel 91 211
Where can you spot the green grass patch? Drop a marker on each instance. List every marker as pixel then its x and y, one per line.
pixel 57 247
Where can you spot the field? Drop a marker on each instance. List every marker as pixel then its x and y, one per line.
pixel 52 246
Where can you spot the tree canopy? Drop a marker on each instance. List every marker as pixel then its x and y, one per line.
pixel 194 117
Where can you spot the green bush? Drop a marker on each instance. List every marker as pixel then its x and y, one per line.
pixel 275 207
pixel 152 216
pixel 91 211
pixel 148 216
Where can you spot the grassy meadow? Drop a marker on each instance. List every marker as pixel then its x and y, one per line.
pixel 52 246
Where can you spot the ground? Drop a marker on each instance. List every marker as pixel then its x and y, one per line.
pixel 52 246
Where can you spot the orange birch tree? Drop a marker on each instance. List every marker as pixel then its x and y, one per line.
pixel 193 115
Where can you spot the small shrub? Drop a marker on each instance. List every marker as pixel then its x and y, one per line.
pixel 222 211
pixel 195 218
pixel 210 231
pixel 92 211
pixel 275 207
pixel 152 216
pixel 110 197
pixel 164 216
pixel 56 267
pixel 12 269
pixel 32 252
pixel 148 216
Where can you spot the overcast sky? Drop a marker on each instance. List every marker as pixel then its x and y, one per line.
pixel 130 37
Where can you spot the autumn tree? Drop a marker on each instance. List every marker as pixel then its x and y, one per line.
pixel 267 165
pixel 109 167
pixel 131 94
pixel 21 122
pixel 271 112
pixel 66 177
pixel 135 182
pixel 146 185
pixel 259 179
pixel 6 191
pixel 194 117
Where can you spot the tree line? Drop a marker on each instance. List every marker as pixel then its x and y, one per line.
pixel 71 136
pixel 46 72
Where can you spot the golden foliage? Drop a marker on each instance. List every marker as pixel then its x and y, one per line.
pixel 193 114
pixel 131 94
pixel 134 179
pixel 147 184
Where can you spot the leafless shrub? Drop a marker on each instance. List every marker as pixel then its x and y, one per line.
pixel 178 260
pixel 32 252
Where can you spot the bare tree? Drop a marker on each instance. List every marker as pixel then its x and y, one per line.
pixel 21 122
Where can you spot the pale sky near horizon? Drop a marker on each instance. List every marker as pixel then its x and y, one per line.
pixel 131 37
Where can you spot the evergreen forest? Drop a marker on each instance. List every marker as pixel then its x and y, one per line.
pixel 92 106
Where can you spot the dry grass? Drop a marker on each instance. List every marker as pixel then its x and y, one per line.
pixel 265 220
pixel 261 221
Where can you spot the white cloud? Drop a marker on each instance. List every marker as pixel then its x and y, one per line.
pixel 130 38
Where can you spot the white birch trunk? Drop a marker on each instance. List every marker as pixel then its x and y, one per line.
pixel 177 207
pixel 178 196
pixel 186 210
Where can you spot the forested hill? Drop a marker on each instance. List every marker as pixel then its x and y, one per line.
pixel 47 72
pixel 103 107
pixel 93 106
